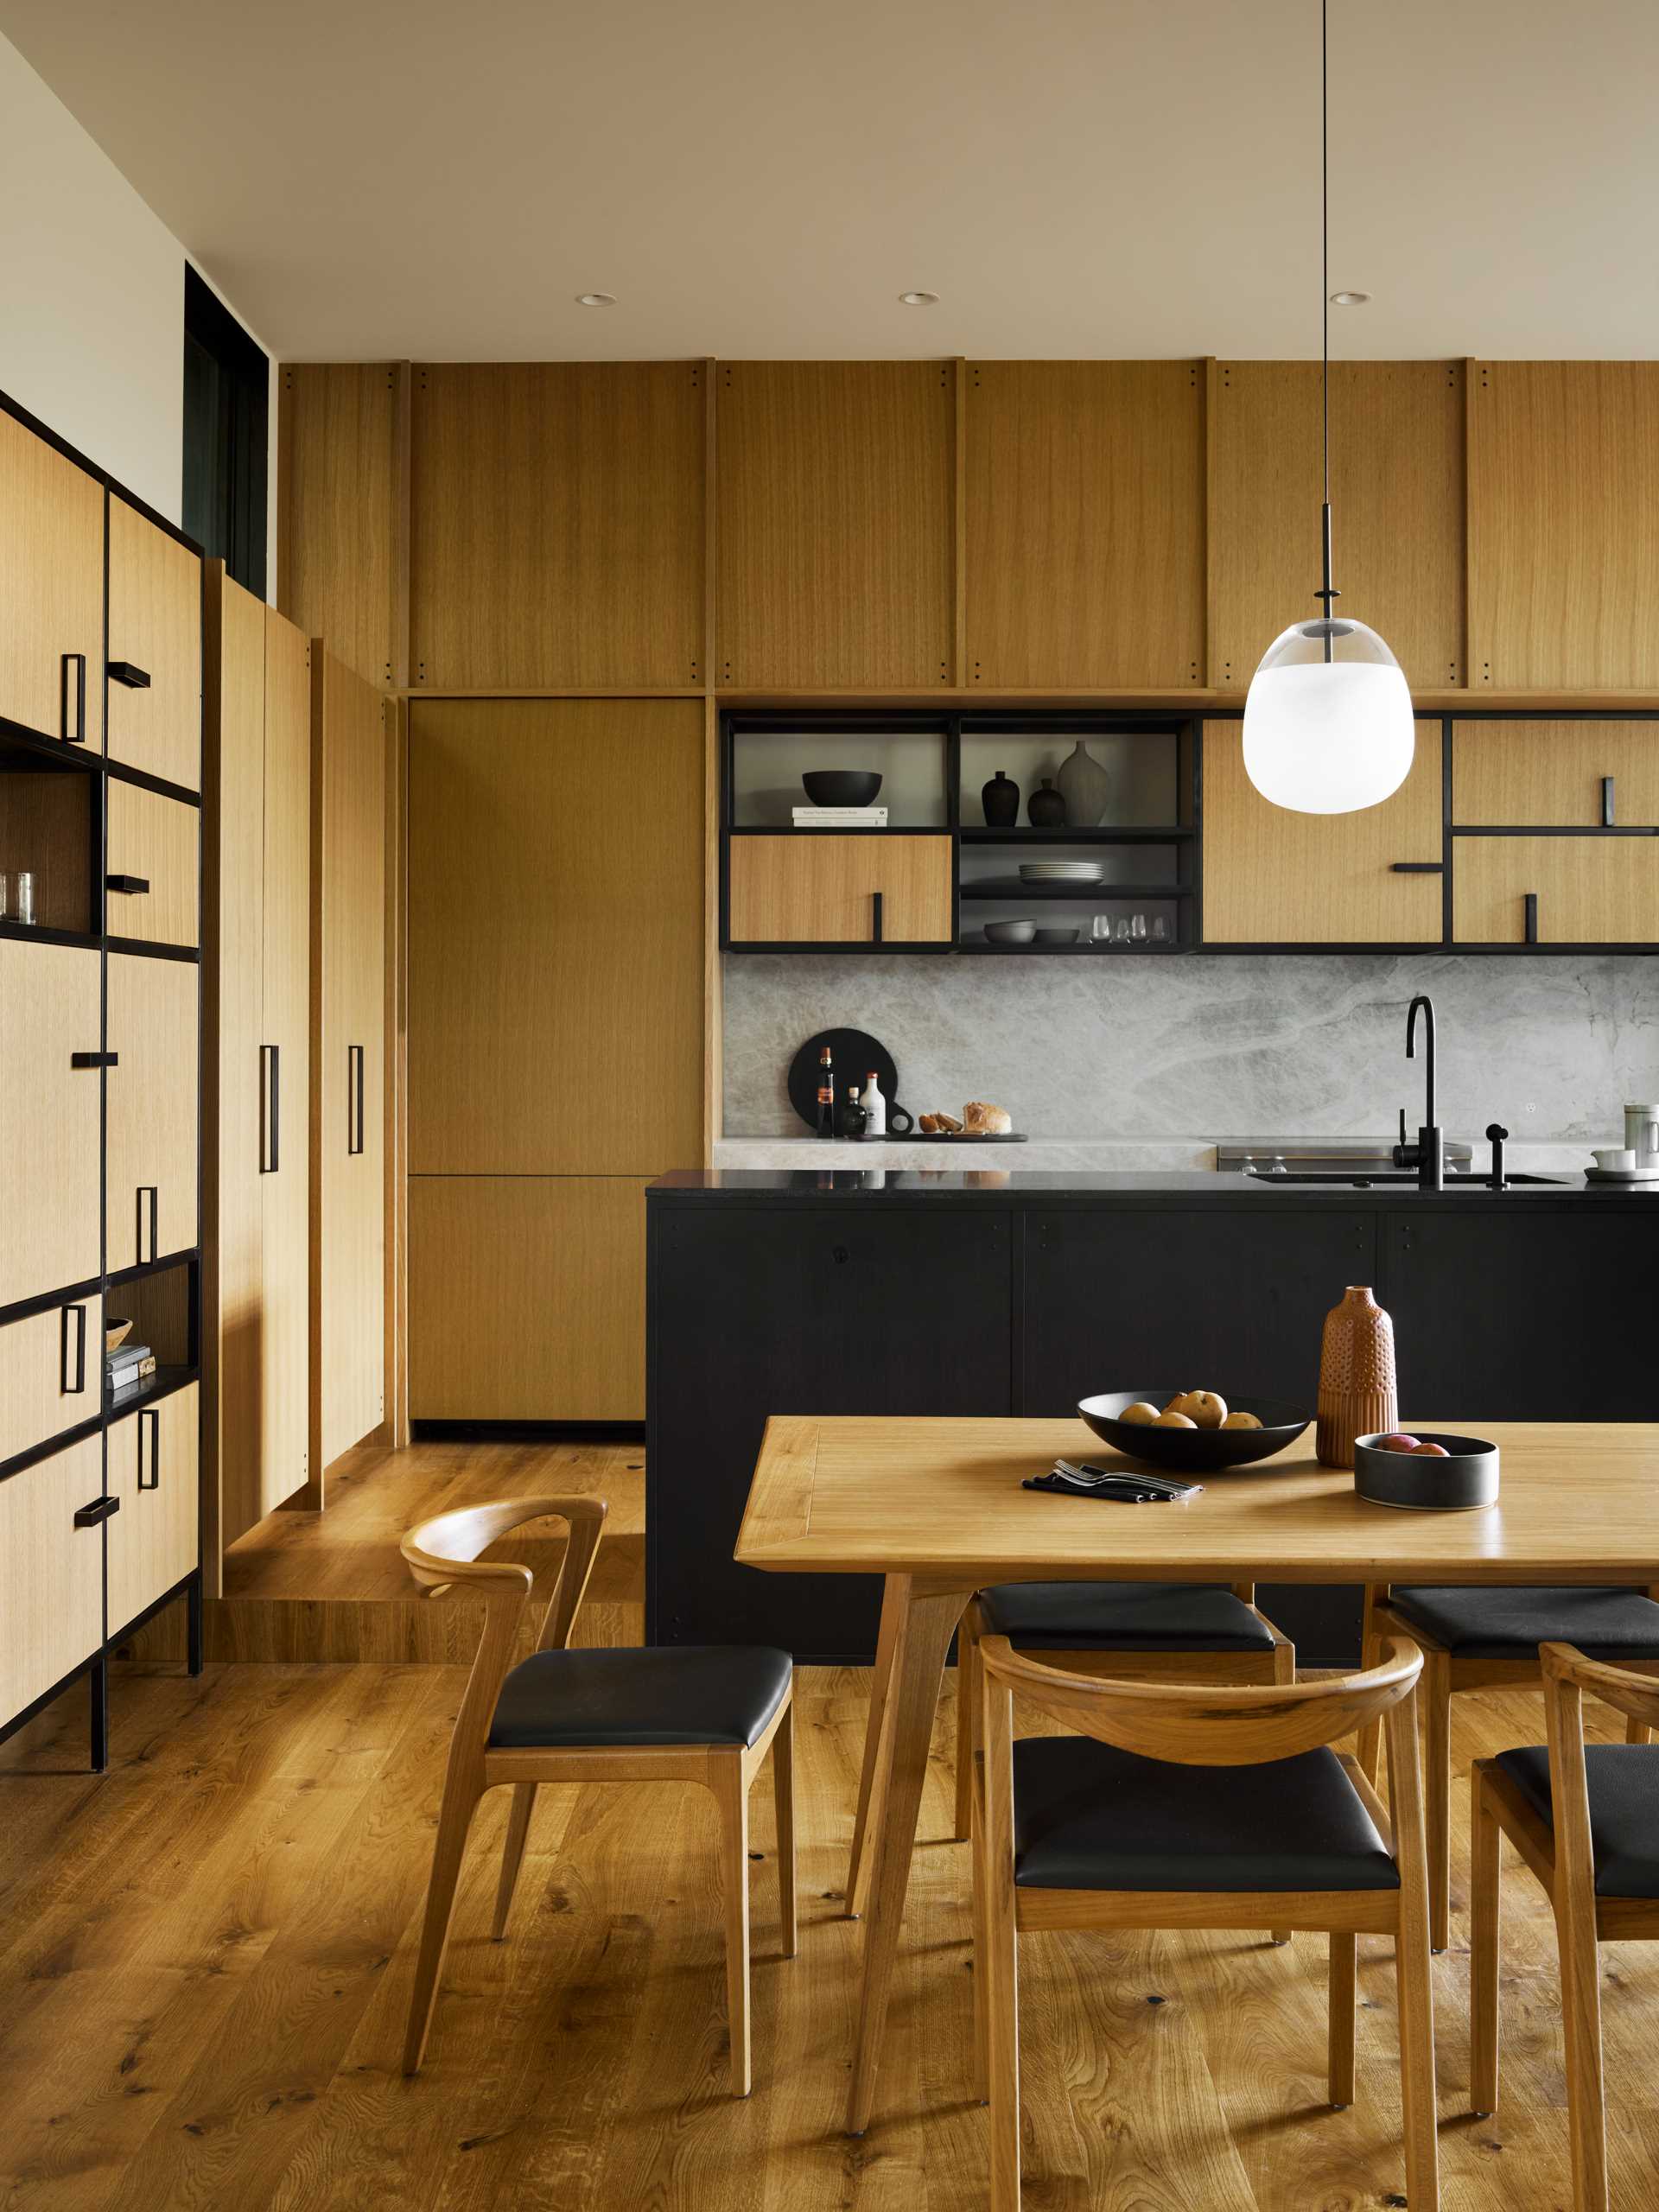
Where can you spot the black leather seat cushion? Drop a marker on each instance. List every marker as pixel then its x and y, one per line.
pixel 1123 1617
pixel 1624 1781
pixel 697 1694
pixel 1489 1623
pixel 1088 1817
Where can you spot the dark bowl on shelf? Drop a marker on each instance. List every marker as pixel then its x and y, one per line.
pixel 1193 1451
pixel 841 786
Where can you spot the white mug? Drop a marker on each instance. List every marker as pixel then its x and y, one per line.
pixel 1642 1134
pixel 1614 1159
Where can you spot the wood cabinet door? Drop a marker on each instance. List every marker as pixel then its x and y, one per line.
pixel 154 1469
pixel 156 630
pixel 150 1140
pixel 285 1043
pixel 1515 774
pixel 815 890
pixel 51 1373
pixel 838 516
pixel 555 919
pixel 155 844
pixel 337 494
pixel 1589 890
pixel 48 1118
pixel 51 587
pixel 1272 877
pixel 51 1574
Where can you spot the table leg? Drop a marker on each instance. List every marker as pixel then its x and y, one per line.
pixel 894 1604
pixel 930 1614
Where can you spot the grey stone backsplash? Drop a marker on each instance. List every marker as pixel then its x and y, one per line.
pixel 1211 1046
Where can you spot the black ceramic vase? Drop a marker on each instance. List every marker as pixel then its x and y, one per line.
pixel 1001 800
pixel 1047 807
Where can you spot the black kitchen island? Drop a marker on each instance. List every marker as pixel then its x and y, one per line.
pixel 981 1291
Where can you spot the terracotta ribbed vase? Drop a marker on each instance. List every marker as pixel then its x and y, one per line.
pixel 1356 1390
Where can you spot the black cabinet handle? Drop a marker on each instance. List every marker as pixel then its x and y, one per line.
pixel 1418 868
pixel 130 673
pixel 1606 801
pixel 151 1192
pixel 148 1416
pixel 270 1109
pixel 71 698
pixel 94 1059
pixel 354 1058
pixel 73 1389
pixel 1532 917
pixel 131 885
pixel 875 927
pixel 88 1517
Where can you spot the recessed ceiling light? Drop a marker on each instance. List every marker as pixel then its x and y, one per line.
pixel 1350 299
pixel 919 299
pixel 595 299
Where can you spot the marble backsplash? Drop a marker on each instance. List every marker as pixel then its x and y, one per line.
pixel 1216 1046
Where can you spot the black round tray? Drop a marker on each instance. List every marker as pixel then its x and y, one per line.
pixel 856 1052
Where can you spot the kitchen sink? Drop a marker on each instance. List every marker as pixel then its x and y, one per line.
pixel 1404 1177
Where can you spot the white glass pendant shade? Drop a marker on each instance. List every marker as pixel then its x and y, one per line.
pixel 1328 736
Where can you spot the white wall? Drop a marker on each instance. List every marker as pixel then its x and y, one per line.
pixel 92 297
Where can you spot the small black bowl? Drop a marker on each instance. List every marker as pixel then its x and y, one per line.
pixel 1193 1451
pixel 1466 1479
pixel 841 786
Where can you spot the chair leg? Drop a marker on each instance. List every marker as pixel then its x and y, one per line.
pixel 731 1794
pixel 1637 1732
pixel 524 1804
pixel 1369 1749
pixel 461 1797
pixel 967 1698
pixel 1581 2017
pixel 1437 1793
pixel 1344 1953
pixel 783 1794
pixel 1485 1919
pixel 1284 1670
pixel 889 1638
pixel 1412 1974
pixel 997 1970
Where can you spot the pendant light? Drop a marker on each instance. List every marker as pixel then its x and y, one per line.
pixel 1328 723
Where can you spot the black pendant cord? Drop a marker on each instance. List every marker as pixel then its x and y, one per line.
pixel 1329 591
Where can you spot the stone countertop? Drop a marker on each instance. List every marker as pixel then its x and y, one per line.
pixel 1096 1155
pixel 991 1177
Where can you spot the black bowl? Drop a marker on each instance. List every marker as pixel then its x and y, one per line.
pixel 1193 1451
pixel 841 786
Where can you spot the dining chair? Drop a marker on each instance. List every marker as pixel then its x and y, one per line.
pixel 1586 1822
pixel 705 1714
pixel 1489 1638
pixel 1193 1807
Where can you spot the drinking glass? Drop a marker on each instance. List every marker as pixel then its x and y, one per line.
pixel 1121 932
pixel 1159 929
pixel 1101 928
pixel 24 882
pixel 4 883
pixel 1138 929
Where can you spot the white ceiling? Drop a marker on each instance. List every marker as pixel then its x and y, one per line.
pixel 421 179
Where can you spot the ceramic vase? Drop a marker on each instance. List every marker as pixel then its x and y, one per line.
pixel 1047 807
pixel 1085 786
pixel 1001 800
pixel 1357 1384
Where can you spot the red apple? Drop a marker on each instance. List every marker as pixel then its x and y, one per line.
pixel 1429 1451
pixel 1399 1442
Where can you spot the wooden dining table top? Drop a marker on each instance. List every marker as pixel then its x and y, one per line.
pixel 941 1499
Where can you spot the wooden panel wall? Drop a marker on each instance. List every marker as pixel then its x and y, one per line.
pixel 1563 556
pixel 341 437
pixel 1397 489
pixel 557 526
pixel 836 515
pixel 1083 501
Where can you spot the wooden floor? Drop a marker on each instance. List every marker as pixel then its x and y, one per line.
pixel 205 1955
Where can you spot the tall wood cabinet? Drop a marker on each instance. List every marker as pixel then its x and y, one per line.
pixel 99 1122
pixel 349 744
pixel 256 1175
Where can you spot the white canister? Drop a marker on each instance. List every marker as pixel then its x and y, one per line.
pixel 875 1107
pixel 1642 1134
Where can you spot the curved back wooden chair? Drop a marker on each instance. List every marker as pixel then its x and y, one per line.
pixel 1198 1807
pixel 693 1714
pixel 1587 1825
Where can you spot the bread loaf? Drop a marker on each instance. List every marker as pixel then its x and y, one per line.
pixel 983 1120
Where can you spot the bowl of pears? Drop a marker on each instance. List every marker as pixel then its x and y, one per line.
pixel 1192 1432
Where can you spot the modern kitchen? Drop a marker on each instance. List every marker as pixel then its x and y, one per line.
pixel 829 895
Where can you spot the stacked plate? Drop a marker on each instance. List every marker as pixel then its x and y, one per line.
pixel 1079 872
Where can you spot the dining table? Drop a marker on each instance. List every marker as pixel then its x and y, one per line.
pixel 938 1508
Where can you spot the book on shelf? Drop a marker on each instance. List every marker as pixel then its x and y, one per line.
pixel 841 817
pixel 127 1364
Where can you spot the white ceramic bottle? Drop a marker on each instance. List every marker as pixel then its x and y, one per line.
pixel 875 1107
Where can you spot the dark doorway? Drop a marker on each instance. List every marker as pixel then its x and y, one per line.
pixel 226 435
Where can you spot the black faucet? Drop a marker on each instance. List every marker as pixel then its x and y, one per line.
pixel 1496 1135
pixel 1428 1154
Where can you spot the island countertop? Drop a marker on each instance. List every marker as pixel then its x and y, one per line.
pixel 990 1180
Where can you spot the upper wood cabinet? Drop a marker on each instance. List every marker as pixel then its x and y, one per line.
pixel 555 960
pixel 48 1118
pixel 1555 890
pixel 154 632
pixel 338 455
pixel 1397 471
pixel 851 890
pixel 152 887
pixel 1516 774
pixel 1272 877
pixel 836 515
pixel 1084 524
pixel 1563 486
pixel 557 525
pixel 51 589
pixel 150 1169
